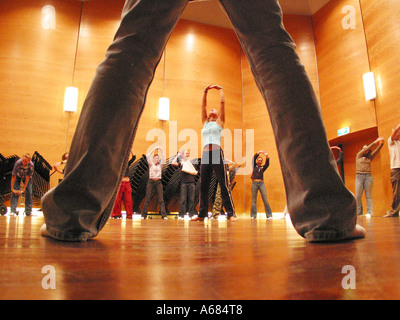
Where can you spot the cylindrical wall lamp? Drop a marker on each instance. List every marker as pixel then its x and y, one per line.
pixel 163 109
pixel 71 99
pixel 369 86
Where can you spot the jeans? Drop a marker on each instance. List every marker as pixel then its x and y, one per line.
pixel 187 198
pixel 364 181
pixel 28 196
pixel 259 186
pixel 320 206
pixel 157 186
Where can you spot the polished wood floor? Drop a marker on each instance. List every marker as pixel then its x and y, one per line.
pixel 218 260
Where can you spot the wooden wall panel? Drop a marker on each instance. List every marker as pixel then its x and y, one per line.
pixel 255 114
pixel 342 60
pixel 36 65
pixel 382 29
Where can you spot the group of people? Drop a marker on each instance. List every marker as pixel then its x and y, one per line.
pixel 364 179
pixel 79 207
pixel 212 161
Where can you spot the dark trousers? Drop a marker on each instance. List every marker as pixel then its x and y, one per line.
pixel 213 161
pixel 157 186
pixel 395 180
pixel 187 198
pixel 320 205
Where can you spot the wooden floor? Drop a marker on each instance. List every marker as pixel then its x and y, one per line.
pixel 175 259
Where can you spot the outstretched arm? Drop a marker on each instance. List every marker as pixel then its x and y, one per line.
pixel 204 105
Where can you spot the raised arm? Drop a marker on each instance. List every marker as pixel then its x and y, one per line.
pixel 150 155
pixel 378 148
pixel 175 160
pixel 204 105
pixel 395 133
pixel 221 118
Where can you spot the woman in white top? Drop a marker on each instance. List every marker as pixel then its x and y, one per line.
pixel 213 157
pixel 154 183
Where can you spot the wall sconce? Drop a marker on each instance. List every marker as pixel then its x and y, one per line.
pixel 163 109
pixel 369 86
pixel 71 99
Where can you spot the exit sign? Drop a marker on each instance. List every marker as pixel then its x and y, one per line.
pixel 343 131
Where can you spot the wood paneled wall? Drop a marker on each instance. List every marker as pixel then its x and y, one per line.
pixel 382 29
pixel 342 60
pixel 343 55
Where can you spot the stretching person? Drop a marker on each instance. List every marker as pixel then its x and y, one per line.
pixel 22 171
pixel 79 207
pixel 258 185
pixel 212 158
pixel 125 190
pixel 364 180
pixel 155 170
pixel 188 174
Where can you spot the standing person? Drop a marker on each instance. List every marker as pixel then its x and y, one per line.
pixel 188 174
pixel 394 151
pixel 340 159
pixel 78 208
pixel 155 170
pixel 364 179
pixel 258 185
pixel 22 171
pixel 125 190
pixel 212 158
pixel 57 165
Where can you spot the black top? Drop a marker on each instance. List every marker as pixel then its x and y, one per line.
pixel 129 164
pixel 258 171
pixel 186 177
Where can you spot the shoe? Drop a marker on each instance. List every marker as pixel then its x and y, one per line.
pixel 197 219
pixel 165 218
pixel 390 214
pixel 232 219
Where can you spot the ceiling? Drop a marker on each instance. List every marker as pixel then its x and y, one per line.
pixel 210 12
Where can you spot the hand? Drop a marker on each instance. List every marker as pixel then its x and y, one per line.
pixel 380 139
pixel 212 86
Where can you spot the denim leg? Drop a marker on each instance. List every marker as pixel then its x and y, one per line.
pixel 28 198
pixel 254 189
pixel 267 207
pixel 80 205
pixel 320 206
pixel 360 178
pixel 395 180
pixel 14 198
pixel 369 183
